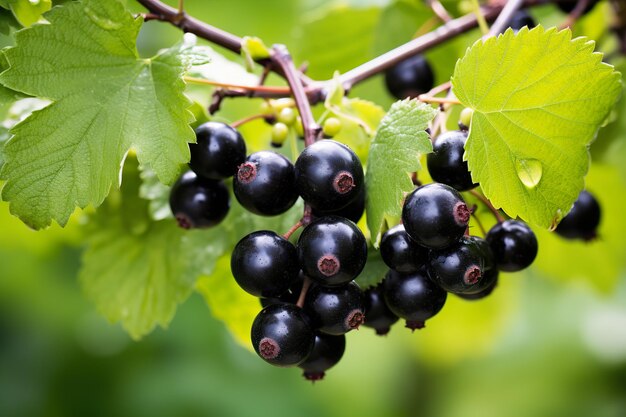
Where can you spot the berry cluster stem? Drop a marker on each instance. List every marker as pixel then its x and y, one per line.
pixel 305 288
pixel 488 204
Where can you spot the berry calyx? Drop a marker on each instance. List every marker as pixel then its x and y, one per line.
pixel 335 310
pixel 265 184
pixel 198 202
pixel 327 352
pixel 218 151
pixel 583 219
pixel 492 276
pixel 413 297
pixel 329 175
pixel 332 250
pixel 377 315
pixel 400 252
pixel 264 264
pixel 410 78
pixel 446 164
pixel 435 215
pixel 513 244
pixel 281 335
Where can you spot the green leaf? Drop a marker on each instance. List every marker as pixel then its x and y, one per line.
pixel 27 12
pixel 252 49
pixel 157 193
pixel 5 4
pixel 374 271
pixel 137 270
pixel 539 98
pixel 400 141
pixel 7 21
pixel 106 100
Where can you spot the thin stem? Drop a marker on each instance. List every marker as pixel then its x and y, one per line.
pixel 181 7
pixel 482 23
pixel 479 223
pixel 439 10
pixel 439 89
pixel 292 230
pixel 305 288
pixel 282 58
pixel 505 16
pixel 245 120
pixel 257 88
pixel 575 14
pixel 488 204
pixel 442 100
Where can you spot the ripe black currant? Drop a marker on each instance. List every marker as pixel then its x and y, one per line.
pixel 461 268
pixel 446 164
pixel 377 314
pixel 487 291
pixel 265 184
pixel 281 335
pixel 400 252
pixel 218 151
pixel 198 202
pixel 290 296
pixel 514 245
pixel 353 211
pixel 264 264
pixel 332 250
pixel 329 175
pixel 413 297
pixel 327 352
pixel 520 19
pixel 435 215
pixel 410 78
pixel 569 6
pixel 583 219
pixel 335 310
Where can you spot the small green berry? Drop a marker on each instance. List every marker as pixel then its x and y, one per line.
pixel 280 131
pixel 466 117
pixel 332 126
pixel 287 116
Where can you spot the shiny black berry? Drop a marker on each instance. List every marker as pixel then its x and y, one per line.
pixel 329 175
pixel 461 268
pixel 583 219
pixel 493 278
pixel 290 296
pixel 435 215
pixel 377 315
pixel 327 352
pixel 265 184
pixel 198 202
pixel 400 252
pixel 514 245
pixel 281 335
pixel 353 211
pixel 264 264
pixel 569 6
pixel 335 310
pixel 413 297
pixel 332 250
pixel 446 164
pixel 218 151
pixel 520 19
pixel 410 78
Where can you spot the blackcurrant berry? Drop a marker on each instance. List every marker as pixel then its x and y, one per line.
pixel 514 245
pixel 413 297
pixel 446 164
pixel 520 19
pixel 265 184
pixel 461 268
pixel 218 151
pixel 281 335
pixel 583 219
pixel 332 250
pixel 335 310
pixel 400 252
pixel 377 315
pixel 198 202
pixel 569 6
pixel 353 211
pixel 487 291
pixel 290 296
pixel 329 175
pixel 410 78
pixel 435 215
pixel 327 352
pixel 264 264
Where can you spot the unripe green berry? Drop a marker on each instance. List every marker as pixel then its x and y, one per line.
pixel 298 127
pixel 466 117
pixel 332 126
pixel 287 116
pixel 280 131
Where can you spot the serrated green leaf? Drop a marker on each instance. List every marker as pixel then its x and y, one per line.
pixel 394 153
pixel 7 21
pixel 106 100
pixel 374 271
pixel 27 12
pixel 157 193
pixel 539 98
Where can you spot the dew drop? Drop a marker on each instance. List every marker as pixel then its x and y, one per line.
pixel 529 172
pixel 103 22
pixel 34 2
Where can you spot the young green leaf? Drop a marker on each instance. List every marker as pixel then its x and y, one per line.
pixel 539 98
pixel 28 12
pixel 374 271
pixel 394 153
pixel 106 100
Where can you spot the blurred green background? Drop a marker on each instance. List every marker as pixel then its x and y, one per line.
pixel 549 342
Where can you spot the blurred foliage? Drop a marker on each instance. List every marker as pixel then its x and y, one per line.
pixel 546 343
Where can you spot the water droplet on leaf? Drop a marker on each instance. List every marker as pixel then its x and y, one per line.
pixel 529 172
